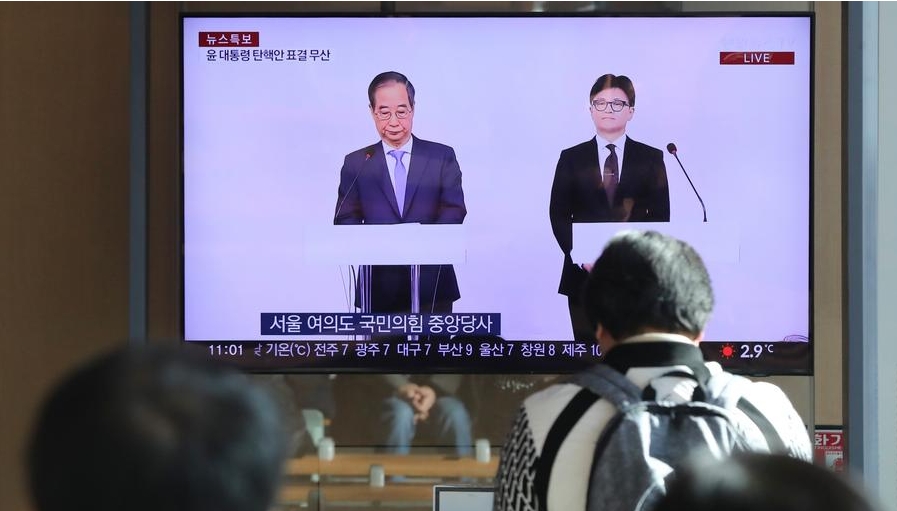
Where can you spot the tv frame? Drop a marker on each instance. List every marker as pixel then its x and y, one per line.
pixel 750 358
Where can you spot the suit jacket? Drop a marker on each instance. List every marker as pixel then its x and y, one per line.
pixel 577 195
pixel 433 195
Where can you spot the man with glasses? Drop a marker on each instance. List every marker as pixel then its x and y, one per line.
pixel 609 178
pixel 402 179
pixel 405 179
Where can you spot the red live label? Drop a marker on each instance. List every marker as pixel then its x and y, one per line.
pixel 756 58
pixel 228 38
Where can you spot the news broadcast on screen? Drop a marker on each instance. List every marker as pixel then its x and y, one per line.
pixel 293 235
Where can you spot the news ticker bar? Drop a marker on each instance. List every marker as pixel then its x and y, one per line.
pixel 487 355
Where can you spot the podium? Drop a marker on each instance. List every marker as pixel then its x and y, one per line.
pixel 714 242
pixel 367 245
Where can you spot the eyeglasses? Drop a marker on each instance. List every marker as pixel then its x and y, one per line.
pixel 615 105
pixel 385 115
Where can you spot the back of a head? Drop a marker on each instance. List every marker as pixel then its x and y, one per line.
pixel 644 281
pixel 761 482
pixel 155 430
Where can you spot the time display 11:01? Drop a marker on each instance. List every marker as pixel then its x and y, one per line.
pixel 232 350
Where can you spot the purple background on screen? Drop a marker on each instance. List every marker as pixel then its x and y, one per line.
pixel 264 143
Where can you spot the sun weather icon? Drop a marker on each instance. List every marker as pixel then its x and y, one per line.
pixel 727 351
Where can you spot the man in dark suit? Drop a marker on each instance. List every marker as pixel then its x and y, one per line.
pixel 610 178
pixel 402 179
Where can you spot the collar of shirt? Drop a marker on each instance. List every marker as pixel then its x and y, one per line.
pixel 604 152
pixel 391 162
pixel 658 337
pixel 643 371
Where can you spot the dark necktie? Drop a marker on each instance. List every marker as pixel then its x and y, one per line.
pixel 401 177
pixel 609 178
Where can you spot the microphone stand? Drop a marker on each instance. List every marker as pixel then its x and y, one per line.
pixel 672 149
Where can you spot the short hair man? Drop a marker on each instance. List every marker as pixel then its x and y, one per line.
pixel 402 179
pixel 152 430
pixel 405 179
pixel 648 297
pixel 609 178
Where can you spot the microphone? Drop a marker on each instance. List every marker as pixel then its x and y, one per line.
pixel 671 147
pixel 368 153
pixel 367 156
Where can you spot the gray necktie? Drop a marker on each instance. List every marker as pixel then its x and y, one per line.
pixel 610 176
pixel 401 177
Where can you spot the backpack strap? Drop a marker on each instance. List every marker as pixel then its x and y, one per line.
pixel 773 439
pixel 609 383
pixel 564 422
pixel 598 381
pixel 727 391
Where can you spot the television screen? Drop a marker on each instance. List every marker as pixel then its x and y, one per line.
pixel 298 255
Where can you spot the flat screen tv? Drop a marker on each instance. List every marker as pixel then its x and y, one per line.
pixel 280 143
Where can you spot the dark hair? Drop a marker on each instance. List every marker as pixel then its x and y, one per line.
pixel 610 81
pixel 761 482
pixel 390 77
pixel 648 280
pixel 151 430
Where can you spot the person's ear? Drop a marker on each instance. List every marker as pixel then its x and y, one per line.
pixel 606 341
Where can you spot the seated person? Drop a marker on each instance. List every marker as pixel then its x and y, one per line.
pixel 401 411
pixel 151 430
pixel 425 402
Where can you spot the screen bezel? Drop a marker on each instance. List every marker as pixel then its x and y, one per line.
pixel 800 359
